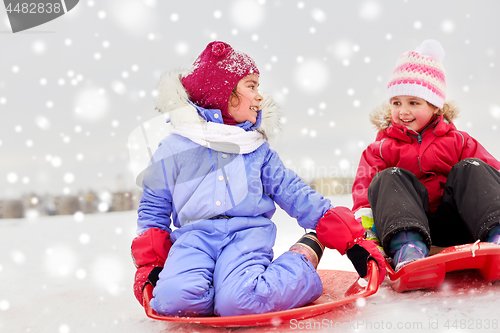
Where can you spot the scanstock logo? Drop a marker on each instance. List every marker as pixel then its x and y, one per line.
pixel 28 14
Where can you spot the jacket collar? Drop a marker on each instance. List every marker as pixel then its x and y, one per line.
pixel 438 126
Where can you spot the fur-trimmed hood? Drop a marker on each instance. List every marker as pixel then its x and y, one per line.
pixel 173 99
pixel 381 116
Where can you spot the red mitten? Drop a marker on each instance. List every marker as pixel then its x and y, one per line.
pixel 149 252
pixel 360 251
pixel 337 228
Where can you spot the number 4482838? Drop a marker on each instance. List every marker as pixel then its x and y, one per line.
pixel 34 8
pixel 472 324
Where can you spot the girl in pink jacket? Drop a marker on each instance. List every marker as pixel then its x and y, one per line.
pixel 423 182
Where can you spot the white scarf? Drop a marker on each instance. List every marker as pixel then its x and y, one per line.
pixel 220 137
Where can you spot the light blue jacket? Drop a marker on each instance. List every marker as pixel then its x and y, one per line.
pixel 189 182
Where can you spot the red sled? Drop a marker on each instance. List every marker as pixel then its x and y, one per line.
pixel 430 272
pixel 339 287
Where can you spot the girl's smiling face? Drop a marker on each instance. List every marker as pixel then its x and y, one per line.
pixel 412 112
pixel 245 104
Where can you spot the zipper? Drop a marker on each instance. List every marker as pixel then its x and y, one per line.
pixel 418 136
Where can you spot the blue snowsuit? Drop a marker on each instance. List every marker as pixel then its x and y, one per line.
pixel 221 204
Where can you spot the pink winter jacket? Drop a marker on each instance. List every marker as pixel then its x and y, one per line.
pixel 429 156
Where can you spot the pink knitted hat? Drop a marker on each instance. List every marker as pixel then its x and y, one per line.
pixel 419 73
pixel 214 75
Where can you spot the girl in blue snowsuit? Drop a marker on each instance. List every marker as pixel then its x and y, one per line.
pixel 216 178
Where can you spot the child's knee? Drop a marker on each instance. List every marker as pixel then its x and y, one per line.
pixel 471 167
pixel 288 283
pixel 388 176
pixel 175 297
pixel 395 172
pixel 235 298
pixel 468 162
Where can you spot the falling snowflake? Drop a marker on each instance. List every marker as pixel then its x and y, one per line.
pixel 42 122
pixel 64 328
pixel 318 15
pixel 12 177
pixel 78 216
pixel 312 76
pixel 242 10
pixel 60 261
pixel 39 47
pixel 18 257
pixel 107 271
pixel 91 104
pixel 448 26
pixel 370 10
pixel 495 111
pixel 4 305
pixel 84 238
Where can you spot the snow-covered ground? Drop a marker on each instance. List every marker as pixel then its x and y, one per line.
pixel 65 274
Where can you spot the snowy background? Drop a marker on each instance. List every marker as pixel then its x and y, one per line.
pixel 73 89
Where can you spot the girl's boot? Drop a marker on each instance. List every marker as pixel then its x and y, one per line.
pixel 494 235
pixel 407 246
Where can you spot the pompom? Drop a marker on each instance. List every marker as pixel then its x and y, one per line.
pixel 431 48
pixel 219 49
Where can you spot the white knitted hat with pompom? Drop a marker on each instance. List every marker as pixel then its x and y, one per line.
pixel 420 73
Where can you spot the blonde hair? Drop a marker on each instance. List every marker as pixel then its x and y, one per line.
pixel 444 109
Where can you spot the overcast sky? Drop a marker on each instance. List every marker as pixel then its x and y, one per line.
pixel 72 90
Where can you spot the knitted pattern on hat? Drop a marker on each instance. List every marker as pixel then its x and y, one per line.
pixel 420 73
pixel 213 76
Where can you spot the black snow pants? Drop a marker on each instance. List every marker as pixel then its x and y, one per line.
pixel 469 208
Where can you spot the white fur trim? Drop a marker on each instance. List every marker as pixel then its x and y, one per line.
pixel 171 93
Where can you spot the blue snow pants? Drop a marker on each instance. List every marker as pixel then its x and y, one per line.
pixel 224 267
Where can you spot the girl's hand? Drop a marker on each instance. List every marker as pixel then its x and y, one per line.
pixel 149 252
pixel 338 229
pixel 360 252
